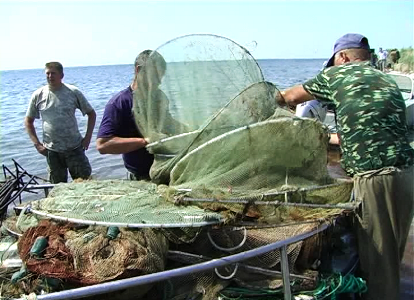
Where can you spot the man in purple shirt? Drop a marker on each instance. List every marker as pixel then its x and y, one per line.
pixel 118 132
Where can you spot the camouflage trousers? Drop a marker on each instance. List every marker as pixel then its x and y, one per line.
pixel 384 224
pixel 73 160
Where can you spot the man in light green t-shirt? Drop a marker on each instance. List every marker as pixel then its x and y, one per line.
pixel 63 144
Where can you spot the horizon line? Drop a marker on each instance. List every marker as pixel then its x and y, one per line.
pixel 125 64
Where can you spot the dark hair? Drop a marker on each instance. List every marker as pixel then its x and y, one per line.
pixel 150 61
pixel 56 65
pixel 142 58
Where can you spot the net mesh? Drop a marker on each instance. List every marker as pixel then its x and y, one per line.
pixel 203 74
pixel 244 159
pixel 122 202
pixel 88 256
pixel 213 122
pixel 217 134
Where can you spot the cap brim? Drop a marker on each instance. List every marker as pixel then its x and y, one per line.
pixel 330 61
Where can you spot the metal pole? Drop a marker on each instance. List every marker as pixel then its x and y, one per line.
pixel 120 224
pixel 284 263
pixel 40 186
pixel 44 187
pixel 346 205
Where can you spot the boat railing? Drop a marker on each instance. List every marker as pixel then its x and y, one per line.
pixel 117 285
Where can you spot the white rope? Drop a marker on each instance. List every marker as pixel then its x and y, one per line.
pixel 228 249
pixel 20 218
pixel 227 277
pixel 31 296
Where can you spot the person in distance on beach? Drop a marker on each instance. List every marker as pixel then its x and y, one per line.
pixel 382 59
pixel 376 153
pixel 63 144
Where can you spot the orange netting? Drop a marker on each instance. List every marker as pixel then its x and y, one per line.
pixel 89 256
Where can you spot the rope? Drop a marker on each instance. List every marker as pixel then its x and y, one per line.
pixel 4 252
pixel 228 249
pixel 349 284
pixel 338 284
pixel 227 277
pixel 31 296
pixel 328 289
pixel 344 206
pixel 20 218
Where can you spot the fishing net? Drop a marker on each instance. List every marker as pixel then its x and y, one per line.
pixel 260 272
pixel 91 255
pixel 196 75
pixel 255 167
pixel 203 74
pixel 120 203
pixel 217 133
pixel 226 155
pixel 213 122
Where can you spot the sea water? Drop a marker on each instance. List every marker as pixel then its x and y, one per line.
pixel 98 84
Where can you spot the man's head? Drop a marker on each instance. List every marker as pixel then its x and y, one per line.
pixel 150 66
pixel 380 49
pixel 350 47
pixel 54 74
pixel 141 59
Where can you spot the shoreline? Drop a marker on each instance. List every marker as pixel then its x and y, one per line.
pixel 395 72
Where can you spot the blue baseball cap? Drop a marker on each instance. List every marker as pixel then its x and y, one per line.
pixel 348 41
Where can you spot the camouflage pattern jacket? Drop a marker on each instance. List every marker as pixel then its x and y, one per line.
pixel 371 116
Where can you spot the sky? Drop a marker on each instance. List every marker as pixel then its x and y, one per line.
pixel 89 33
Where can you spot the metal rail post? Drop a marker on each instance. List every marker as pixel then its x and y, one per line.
pixel 285 273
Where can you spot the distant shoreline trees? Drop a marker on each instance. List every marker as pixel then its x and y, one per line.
pixel 405 62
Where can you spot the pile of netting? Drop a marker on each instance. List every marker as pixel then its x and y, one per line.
pixel 91 255
pixel 233 171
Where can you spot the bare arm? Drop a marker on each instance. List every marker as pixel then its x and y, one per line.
pixel 293 96
pixel 89 129
pixel 118 145
pixel 334 139
pixel 29 125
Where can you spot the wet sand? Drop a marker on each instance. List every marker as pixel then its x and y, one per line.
pixel 407 265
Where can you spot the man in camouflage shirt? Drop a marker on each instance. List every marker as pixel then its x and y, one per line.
pixel 63 145
pixel 375 152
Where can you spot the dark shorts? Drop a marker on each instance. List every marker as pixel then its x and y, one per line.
pixel 74 160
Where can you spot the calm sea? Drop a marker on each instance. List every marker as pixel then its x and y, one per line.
pixel 98 83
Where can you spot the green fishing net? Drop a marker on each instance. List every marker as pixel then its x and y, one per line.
pixel 225 155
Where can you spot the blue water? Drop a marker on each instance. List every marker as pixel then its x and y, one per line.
pixel 98 83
